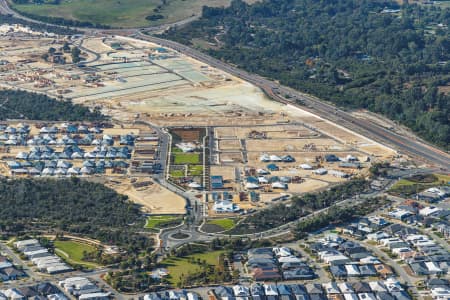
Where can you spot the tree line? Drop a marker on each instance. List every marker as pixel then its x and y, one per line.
pixel 70 205
pixel 301 206
pixel 349 52
pixel 9 19
pixel 337 215
pixel 25 105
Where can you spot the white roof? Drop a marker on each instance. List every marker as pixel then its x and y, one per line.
pixel 401 250
pixel 86 170
pixel 25 243
pixel 5 264
pixel 345 287
pixel 331 288
pixel 414 237
pixel 378 236
pixel 264 157
pixel 225 206
pixel 393 284
pixel 94 296
pixel 432 267
pixel 337 173
pixel 306 167
pixel 263 180
pixel 73 281
pixel 250 185
pixel 194 185
pixel 399 213
pixel 73 170
pixel 377 286
pixel 279 185
pixel 282 251
pixel 54 267
pixel 352 269
pixel 241 291
pixel 270 290
pixel 47 171
pixel 429 210
pixel 370 260
pixel 350 296
pixel 192 296
pixel 13 293
pixel 30 253
pixel 335 258
pixel 275 158
pixel 320 171
pixel 440 293
pixel 288 259
pixel 388 241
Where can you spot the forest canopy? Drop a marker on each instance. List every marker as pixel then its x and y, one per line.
pixel 33 106
pixel 69 205
pixel 375 55
pixel 9 19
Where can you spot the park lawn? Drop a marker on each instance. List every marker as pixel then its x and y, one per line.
pixel 127 14
pixel 181 265
pixel 176 150
pixel 226 224
pixel 195 170
pixel 72 252
pixel 186 158
pixel 409 187
pixel 177 173
pixel 154 222
pixel 443 178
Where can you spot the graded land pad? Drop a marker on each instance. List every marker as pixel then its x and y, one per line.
pixel 154 198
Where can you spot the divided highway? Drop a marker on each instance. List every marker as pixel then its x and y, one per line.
pixel 327 111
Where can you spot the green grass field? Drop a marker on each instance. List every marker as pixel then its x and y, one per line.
pixel 120 13
pixel 226 224
pixel 177 173
pixel 72 252
pixel 177 266
pixel 186 158
pixel 409 187
pixel 195 170
pixel 154 222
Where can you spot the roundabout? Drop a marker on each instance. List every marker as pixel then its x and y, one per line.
pixel 180 236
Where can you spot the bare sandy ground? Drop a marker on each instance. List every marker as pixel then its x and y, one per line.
pixel 154 199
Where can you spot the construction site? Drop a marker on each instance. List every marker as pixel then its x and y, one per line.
pixel 230 143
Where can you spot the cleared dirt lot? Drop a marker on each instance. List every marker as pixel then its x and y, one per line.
pixel 227 172
pixel 154 198
pixel 273 145
pixel 229 145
